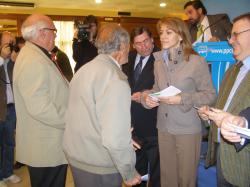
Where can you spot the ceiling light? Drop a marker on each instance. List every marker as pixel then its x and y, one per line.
pixel 98 1
pixel 163 4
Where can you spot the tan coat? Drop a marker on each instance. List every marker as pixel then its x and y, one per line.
pixel 97 138
pixel 41 95
pixel 194 80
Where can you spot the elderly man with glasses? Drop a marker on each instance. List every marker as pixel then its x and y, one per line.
pixel 233 168
pixel 41 95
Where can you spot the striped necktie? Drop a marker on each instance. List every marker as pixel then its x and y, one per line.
pixel 138 69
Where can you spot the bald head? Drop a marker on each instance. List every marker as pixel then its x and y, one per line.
pixel 37 28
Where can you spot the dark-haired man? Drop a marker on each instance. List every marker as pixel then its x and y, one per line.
pixel 205 27
pixel 143 120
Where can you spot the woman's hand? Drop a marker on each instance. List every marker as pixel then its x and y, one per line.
pixel 172 100
pixel 151 102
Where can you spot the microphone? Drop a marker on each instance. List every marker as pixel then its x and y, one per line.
pixel 223 16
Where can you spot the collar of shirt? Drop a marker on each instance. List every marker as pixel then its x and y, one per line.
pixel 144 61
pixel 204 23
pixel 115 61
pixel 246 63
pixel 207 33
pixel 44 51
pixel 1 61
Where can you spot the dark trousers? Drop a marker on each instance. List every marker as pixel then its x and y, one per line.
pixel 148 161
pixel 221 181
pixel 86 179
pixel 7 142
pixel 48 176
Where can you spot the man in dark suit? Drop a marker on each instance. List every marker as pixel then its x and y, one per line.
pixel 7 111
pixel 228 132
pixel 140 72
pixel 205 27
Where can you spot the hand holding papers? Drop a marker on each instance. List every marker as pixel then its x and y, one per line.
pixel 243 132
pixel 167 92
pixel 234 128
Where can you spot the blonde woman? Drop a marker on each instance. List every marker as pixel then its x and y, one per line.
pixel 179 126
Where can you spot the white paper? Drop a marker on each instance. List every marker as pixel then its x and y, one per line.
pixel 144 177
pixel 169 91
pixel 243 132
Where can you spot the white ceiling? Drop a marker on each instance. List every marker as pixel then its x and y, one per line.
pixel 144 8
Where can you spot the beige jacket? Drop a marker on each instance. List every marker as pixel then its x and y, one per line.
pixel 41 95
pixel 193 79
pixel 97 136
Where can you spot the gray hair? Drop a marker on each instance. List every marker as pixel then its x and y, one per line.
pixel 30 32
pixel 110 37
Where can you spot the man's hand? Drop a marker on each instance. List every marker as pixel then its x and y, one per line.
pixel 136 97
pixel 134 143
pixel 228 131
pixel 216 115
pixel 202 111
pixel 136 180
pixel 136 146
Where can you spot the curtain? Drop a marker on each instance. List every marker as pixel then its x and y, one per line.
pixel 65 33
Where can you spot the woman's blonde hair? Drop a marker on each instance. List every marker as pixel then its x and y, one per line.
pixel 179 27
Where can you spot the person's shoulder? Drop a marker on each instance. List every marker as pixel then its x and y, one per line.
pixel 216 17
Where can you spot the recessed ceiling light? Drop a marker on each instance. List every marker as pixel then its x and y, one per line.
pixel 163 4
pixel 98 1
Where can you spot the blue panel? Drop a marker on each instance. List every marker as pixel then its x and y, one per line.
pixel 219 55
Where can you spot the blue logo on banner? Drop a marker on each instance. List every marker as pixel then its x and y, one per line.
pixel 219 56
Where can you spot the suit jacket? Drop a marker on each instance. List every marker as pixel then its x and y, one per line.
pixel 64 64
pixel 220 27
pixel 192 77
pixel 97 138
pixel 3 82
pixel 246 114
pixel 41 95
pixel 235 166
pixel 143 120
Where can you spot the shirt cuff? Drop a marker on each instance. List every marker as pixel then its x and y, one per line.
pixel 242 142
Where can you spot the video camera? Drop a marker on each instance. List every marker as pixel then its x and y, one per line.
pixel 14 47
pixel 83 32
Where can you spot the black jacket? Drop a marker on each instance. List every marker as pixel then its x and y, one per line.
pixel 83 52
pixel 143 120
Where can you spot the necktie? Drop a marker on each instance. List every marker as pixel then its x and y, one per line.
pixel 138 69
pixel 199 31
pixel 229 85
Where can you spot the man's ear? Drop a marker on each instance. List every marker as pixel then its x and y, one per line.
pixel 200 10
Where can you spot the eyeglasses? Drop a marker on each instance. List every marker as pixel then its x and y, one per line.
pixel 50 29
pixel 236 34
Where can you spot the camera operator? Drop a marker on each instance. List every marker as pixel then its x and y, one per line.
pixel 84 48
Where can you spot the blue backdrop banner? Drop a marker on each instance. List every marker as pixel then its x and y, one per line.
pixel 219 56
